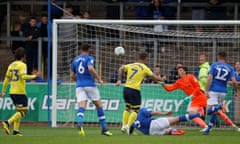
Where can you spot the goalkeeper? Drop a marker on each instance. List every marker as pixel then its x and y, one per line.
pixel 190 86
pixel 160 126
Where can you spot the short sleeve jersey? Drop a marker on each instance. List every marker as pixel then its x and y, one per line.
pixel 221 72
pixel 136 72
pixel 143 121
pixel 80 68
pixel 15 72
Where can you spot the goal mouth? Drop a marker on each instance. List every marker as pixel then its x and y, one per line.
pixel 167 43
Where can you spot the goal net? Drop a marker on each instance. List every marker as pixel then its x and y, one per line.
pixel 168 44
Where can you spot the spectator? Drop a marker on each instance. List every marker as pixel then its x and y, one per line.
pixel 237 71
pixel 174 73
pixel 43 26
pixel 32 33
pixel 157 72
pixel 22 21
pixel 17 33
pixel 217 12
pixel 142 12
pixel 157 13
pixel 203 71
pixel 56 13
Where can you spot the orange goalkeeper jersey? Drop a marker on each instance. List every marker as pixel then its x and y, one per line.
pixel 190 86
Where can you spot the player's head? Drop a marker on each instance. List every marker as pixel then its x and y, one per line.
pixel 20 53
pixel 237 66
pixel 85 48
pixel 182 71
pixel 143 56
pixel 157 70
pixel 222 55
pixel 202 58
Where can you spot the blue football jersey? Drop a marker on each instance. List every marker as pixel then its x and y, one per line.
pixel 143 121
pixel 80 68
pixel 222 72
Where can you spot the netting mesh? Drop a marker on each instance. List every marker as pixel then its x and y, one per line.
pixel 167 46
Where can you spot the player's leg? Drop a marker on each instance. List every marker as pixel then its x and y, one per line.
pixel 135 102
pixel 21 104
pixel 94 95
pixel 223 115
pixel 195 109
pixel 126 112
pixel 81 97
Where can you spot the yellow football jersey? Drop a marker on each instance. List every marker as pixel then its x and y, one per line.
pixel 136 72
pixel 16 75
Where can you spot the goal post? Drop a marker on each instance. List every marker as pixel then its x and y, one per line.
pixel 168 42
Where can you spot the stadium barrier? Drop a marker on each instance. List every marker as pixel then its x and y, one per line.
pixel 153 97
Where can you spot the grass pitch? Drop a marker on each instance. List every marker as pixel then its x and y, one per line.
pixel 45 135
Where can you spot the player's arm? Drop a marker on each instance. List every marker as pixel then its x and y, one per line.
pixel 4 86
pixel 73 76
pixel 28 77
pixel 209 81
pixel 94 73
pixel 120 73
pixel 172 87
pixel 235 86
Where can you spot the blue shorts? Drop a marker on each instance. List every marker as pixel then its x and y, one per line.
pixel 132 98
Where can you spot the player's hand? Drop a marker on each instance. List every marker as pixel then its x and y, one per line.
pixel 101 82
pixel 168 113
pixel 235 94
pixel 207 94
pixel 162 84
pixel 118 83
pixel 187 99
pixel 3 94
pixel 164 78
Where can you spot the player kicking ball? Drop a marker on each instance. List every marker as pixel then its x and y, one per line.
pixel 160 126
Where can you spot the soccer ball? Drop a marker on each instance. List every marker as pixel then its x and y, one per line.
pixel 119 51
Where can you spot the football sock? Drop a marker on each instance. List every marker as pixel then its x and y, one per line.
pixel 18 115
pixel 80 115
pixel 214 109
pixel 101 118
pixel 187 117
pixel 225 118
pixel 16 125
pixel 125 117
pixel 199 121
pixel 212 121
pixel 132 118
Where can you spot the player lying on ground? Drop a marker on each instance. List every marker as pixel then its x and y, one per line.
pixel 160 126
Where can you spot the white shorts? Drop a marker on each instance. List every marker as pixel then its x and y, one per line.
pixel 158 126
pixel 215 98
pixel 87 93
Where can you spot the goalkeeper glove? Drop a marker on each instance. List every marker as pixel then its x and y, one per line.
pixel 187 99
pixel 162 84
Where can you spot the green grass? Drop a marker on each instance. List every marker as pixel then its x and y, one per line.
pixel 44 135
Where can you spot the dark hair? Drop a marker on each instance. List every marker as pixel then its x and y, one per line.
pixel 222 54
pixel 157 66
pixel 85 47
pixel 184 68
pixel 19 53
pixel 143 55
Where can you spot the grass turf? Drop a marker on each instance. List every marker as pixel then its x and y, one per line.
pixel 44 135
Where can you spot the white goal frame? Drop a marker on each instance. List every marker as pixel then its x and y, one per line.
pixel 95 21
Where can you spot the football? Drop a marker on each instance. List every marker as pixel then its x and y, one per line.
pixel 119 51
